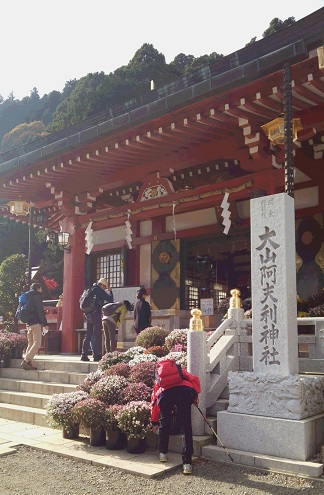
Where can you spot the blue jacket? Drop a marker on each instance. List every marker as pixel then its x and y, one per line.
pixel 38 315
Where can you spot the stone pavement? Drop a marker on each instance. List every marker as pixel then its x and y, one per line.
pixel 13 433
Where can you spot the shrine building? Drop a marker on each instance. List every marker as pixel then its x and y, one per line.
pixel 156 191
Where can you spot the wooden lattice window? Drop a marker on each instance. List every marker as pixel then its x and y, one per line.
pixel 191 295
pixel 111 267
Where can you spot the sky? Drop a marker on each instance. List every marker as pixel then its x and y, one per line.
pixel 45 45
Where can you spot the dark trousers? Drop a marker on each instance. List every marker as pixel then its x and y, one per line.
pixel 93 323
pixel 109 332
pixel 182 398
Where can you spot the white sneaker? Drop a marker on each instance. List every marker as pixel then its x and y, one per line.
pixel 187 469
pixel 163 457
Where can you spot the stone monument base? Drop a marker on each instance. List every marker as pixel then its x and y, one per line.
pixel 287 438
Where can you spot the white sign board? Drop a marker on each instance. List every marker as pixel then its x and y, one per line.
pixel 128 293
pixel 207 306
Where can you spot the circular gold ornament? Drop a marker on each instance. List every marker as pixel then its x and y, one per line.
pixel 164 257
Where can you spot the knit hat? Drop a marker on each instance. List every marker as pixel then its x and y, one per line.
pixel 141 292
pixel 103 281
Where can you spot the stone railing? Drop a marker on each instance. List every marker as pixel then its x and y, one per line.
pixel 229 348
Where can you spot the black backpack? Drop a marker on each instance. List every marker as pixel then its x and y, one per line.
pixel 26 308
pixel 88 302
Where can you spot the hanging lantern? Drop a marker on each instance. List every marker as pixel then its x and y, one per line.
pixel 51 237
pixel 19 207
pixel 63 241
pixel 275 130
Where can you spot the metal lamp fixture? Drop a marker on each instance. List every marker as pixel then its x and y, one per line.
pixel 60 238
pixel 275 130
pixel 63 241
pixel 23 208
pixel 19 207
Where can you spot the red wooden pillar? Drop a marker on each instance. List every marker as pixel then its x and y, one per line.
pixel 73 276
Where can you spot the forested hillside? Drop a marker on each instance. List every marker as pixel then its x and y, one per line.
pixel 22 121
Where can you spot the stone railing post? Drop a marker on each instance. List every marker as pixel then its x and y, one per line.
pixel 196 355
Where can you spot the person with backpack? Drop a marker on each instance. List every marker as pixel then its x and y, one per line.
pixel 113 315
pixel 98 296
pixel 174 386
pixel 36 320
pixel 142 311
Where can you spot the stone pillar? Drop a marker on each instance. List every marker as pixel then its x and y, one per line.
pixel 273 410
pixel 274 311
pixel 196 357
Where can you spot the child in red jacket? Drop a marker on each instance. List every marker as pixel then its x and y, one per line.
pixel 174 386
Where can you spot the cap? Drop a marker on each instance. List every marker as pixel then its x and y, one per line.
pixel 103 281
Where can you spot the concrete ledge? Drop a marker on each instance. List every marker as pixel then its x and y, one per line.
pixel 285 438
pixel 289 466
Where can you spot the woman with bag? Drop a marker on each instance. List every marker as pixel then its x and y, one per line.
pixel 142 312
pixel 174 386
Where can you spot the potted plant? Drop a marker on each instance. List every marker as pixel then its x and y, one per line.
pixel 90 413
pixel 151 336
pixel 120 369
pixel 143 372
pixel 157 350
pixel 143 358
pixel 19 343
pixel 110 359
pixel 5 350
pixel 179 357
pixel 137 391
pixel 109 389
pixel 177 338
pixel 115 438
pixel 90 380
pixel 134 421
pixel 59 412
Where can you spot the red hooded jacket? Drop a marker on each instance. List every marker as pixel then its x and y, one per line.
pixel 189 380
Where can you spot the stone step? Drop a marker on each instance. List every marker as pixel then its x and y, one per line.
pixel 212 420
pixel 35 386
pixel 23 414
pixel 51 376
pixel 59 365
pixel 307 365
pixel 220 405
pixel 24 393
pixel 24 398
pixel 176 442
pixel 287 466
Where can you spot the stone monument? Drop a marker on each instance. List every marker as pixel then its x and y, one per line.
pixel 273 410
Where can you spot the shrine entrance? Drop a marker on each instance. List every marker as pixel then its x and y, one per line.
pixel 214 266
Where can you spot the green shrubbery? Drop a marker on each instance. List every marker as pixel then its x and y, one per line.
pixel 151 337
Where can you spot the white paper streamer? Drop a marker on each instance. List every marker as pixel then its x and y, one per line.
pixel 226 214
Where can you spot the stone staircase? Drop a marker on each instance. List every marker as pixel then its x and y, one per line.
pixel 23 394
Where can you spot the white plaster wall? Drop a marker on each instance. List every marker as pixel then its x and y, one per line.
pixel 192 219
pixel 146 228
pixel 108 235
pixel 306 198
pixel 145 265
